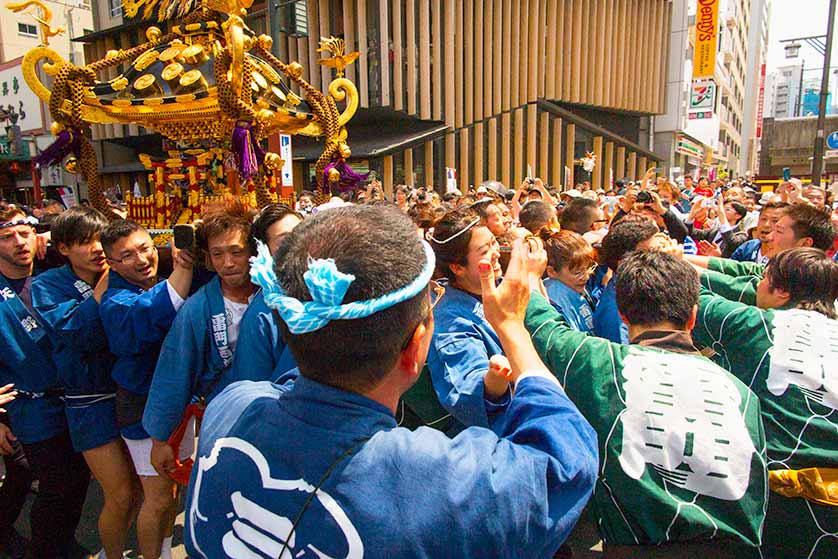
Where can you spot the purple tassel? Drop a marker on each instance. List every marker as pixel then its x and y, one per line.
pixel 349 179
pixel 68 142
pixel 249 154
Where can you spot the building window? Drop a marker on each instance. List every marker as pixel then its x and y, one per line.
pixel 27 29
pixel 293 19
pixel 116 7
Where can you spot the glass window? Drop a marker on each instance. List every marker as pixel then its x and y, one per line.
pixel 27 29
pixel 116 7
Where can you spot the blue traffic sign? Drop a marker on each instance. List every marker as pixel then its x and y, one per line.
pixel 832 140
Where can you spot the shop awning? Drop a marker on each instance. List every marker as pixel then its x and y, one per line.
pixel 375 132
pixel 570 116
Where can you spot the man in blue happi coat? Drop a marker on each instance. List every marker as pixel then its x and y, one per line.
pixel 68 300
pixel 36 416
pixel 319 468
pixel 632 232
pixel 198 351
pixel 262 353
pixel 137 312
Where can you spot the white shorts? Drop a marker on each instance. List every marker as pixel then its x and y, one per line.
pixel 140 451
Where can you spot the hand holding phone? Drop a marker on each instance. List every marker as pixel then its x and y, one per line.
pixel 184 236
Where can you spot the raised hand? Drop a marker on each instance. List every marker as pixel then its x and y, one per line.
pixel 505 305
pixel 706 248
pixel 43 243
pixel 7 440
pixel 162 457
pixel 627 202
pixel 795 191
pixel 496 381
pixel 7 394
pixel 101 285
pixel 657 203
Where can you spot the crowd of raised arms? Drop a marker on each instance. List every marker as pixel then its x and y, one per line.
pixel 650 370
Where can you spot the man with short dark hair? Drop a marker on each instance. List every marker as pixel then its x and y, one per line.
pixel 68 299
pixel 633 232
pixel 137 312
pixel 800 225
pixel 536 215
pixel 678 434
pixel 781 341
pixel 582 215
pixel 36 416
pixel 273 223
pixel 321 465
pixel 197 354
pixel 751 251
pixel 815 195
pixel 262 353
pixel 491 210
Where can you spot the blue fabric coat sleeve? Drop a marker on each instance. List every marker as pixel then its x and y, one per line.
pixel 133 320
pixel 180 368
pixel 747 251
pixel 29 365
pixel 607 321
pixel 543 422
pixel 136 323
pixel 259 348
pixel 458 361
pixel 537 474
pixel 594 285
pixel 77 322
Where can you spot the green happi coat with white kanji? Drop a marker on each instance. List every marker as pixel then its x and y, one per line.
pixel 789 359
pixel 681 444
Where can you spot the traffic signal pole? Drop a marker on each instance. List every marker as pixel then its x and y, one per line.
pixel 820 137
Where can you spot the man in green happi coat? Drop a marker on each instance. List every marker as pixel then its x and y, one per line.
pixel 799 226
pixel 681 442
pixel 779 335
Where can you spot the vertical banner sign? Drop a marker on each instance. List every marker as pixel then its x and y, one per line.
pixel 568 178
pixel 706 38
pixel 287 164
pixel 68 196
pixel 450 180
pixel 761 100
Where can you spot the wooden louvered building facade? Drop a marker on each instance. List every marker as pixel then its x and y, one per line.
pixel 487 87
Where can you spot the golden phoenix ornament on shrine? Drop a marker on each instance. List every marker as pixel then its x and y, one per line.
pixel 208 78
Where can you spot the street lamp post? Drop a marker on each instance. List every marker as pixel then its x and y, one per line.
pixel 799 111
pixel 792 49
pixel 820 136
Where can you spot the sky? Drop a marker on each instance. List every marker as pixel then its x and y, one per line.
pixel 799 18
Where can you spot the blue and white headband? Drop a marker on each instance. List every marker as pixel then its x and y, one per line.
pixel 327 286
pixel 29 220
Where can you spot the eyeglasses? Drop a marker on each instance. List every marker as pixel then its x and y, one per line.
pixel 134 257
pixel 587 272
pixel 437 291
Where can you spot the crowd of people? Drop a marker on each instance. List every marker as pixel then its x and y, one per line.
pixel 489 373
